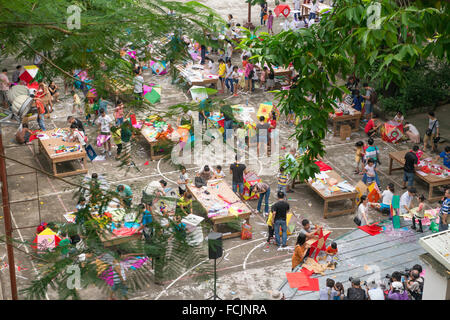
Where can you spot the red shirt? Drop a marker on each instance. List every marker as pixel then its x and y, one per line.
pixel 369 126
pixel 331 250
pixel 272 123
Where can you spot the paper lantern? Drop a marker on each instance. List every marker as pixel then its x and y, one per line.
pixel 265 109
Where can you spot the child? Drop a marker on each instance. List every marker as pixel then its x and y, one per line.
pixel 182 181
pixel 76 103
pixel 81 204
pixel 359 155
pixel 218 173
pixel 77 135
pixel 229 51
pixel 272 132
pixel 270 80
pixel 255 79
pixel 23 134
pixel 417 213
pixel 222 72
pixel 263 77
pixel 386 199
pixel 184 202
pixel 241 133
pixel 331 253
pixel 270 22
pixel 118 113
pixel 88 107
pixel 115 134
pixel 211 66
pixel 235 76
pixel 369 172
pixel 283 179
pixel 357 100
pixel 270 229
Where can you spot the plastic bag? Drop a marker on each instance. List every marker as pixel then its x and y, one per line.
pixel 246 231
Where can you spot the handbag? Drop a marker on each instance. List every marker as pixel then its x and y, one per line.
pixel 430 131
pixel 357 221
pixel 436 140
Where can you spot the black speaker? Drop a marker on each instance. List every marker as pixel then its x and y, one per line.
pixel 215 245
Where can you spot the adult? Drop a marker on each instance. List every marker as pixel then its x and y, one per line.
pixel 368 98
pixel 432 132
pixel 104 123
pixel 310 231
pixel 264 192
pixel 227 113
pixel 371 127
pixel 357 101
pixel 23 134
pixel 77 122
pixel 263 13
pixel 125 193
pixel 411 162
pixel 443 212
pixel 228 76
pixel 414 285
pixel 297 14
pixel 352 85
pixel 313 12
pixel 300 250
pixel 206 173
pixel 372 152
pixel 445 155
pixel 328 293
pixel 397 291
pixel 204 111
pixel 262 134
pixel 248 74
pixel 237 171
pixel 231 21
pixel 53 89
pixel 412 132
pixel 356 292
pixel 375 292
pixel 138 83
pixel 126 134
pixel 153 190
pixel 406 200
pixel 279 211
pixel 183 180
pixel 362 212
pixel 4 87
pixel 15 76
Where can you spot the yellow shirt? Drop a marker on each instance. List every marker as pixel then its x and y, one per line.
pixel 222 69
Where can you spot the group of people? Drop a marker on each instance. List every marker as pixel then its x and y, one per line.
pixel 406 285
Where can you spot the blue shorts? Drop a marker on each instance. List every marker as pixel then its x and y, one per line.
pixel 368 108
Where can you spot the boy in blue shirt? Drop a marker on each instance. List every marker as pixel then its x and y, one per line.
pixel 357 100
pixel 446 156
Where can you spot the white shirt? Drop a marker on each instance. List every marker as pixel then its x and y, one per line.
pixel 314 8
pixel 235 75
pixel 376 294
pixel 105 123
pixel 219 174
pixel 183 178
pixel 80 137
pixel 212 67
pixel 387 197
pixel 405 200
pixel 413 129
pixel 296 4
pixel 229 71
pixel 370 170
pixel 362 210
pixel 229 50
pixel 152 187
pixel 138 82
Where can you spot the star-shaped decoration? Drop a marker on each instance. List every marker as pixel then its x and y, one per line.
pixel 319 244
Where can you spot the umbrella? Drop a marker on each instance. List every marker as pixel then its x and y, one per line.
pixel 45 240
pixel 29 73
pixel 158 67
pixel 154 95
pixel 16 91
pixel 199 93
pixel 283 9
pixel 21 105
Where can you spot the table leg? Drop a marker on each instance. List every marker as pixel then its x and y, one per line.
pixel 84 163
pixel 151 152
pixel 325 209
pixel 357 124
pixel 430 191
pixel 54 168
pixel 334 128
pixel 390 165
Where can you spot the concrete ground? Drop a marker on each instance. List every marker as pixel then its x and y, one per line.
pixel 247 267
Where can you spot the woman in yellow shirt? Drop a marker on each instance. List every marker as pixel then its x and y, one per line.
pixel 300 251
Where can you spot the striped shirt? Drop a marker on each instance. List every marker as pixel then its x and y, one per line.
pixel 444 208
pixel 261 187
pixel 371 152
pixel 282 179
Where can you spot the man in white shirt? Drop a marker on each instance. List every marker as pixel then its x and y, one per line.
pixel 313 12
pixel 406 199
pixel 152 190
pixel 297 8
pixel 375 292
pixel 104 122
pixel 138 83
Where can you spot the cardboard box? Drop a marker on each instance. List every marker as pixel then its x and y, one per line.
pixel 345 131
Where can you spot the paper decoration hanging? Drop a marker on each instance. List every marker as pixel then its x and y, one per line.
pixel 250 179
pixel 395 214
pixel 46 240
pixel 158 67
pixel 283 9
pixel 154 95
pixel 392 132
pixel 319 244
pixel 29 73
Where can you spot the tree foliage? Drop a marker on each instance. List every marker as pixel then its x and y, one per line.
pixel 343 43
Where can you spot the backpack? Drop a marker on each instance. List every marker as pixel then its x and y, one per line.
pixel 373 97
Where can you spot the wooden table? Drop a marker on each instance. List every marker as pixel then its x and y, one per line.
pixel 355 117
pixel 431 179
pixel 197 79
pixel 335 196
pixel 47 148
pixel 154 144
pixel 306 8
pixel 216 188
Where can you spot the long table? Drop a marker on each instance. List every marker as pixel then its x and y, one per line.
pixel 220 188
pixel 431 179
pixel 47 147
pixel 196 77
pixel 335 196
pixel 154 144
pixel 306 8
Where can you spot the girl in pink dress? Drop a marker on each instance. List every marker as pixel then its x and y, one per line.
pixel 270 22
